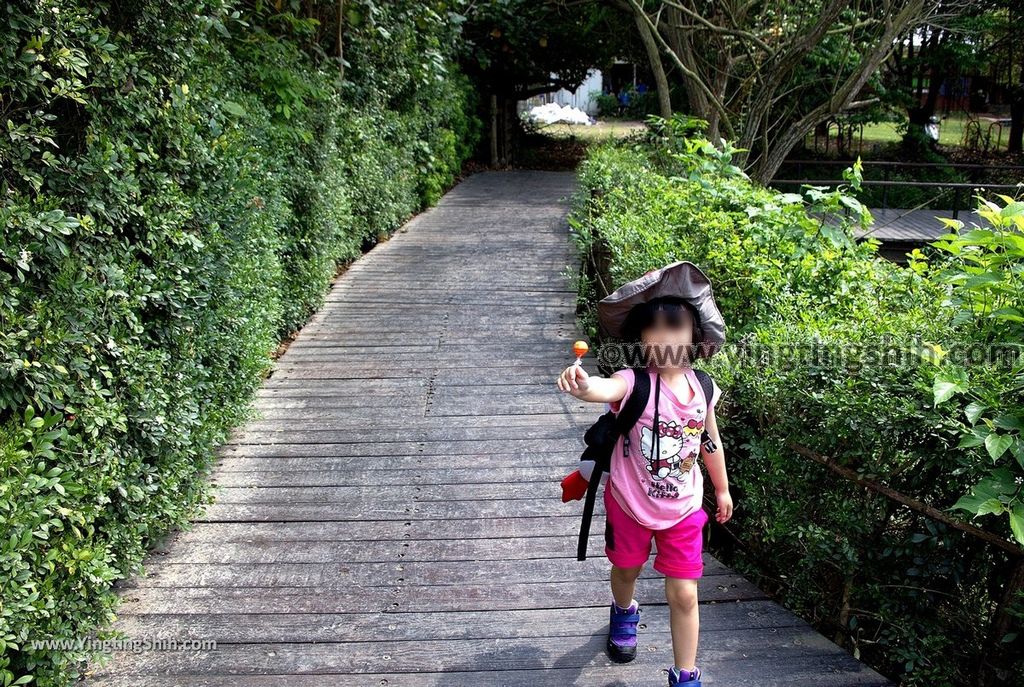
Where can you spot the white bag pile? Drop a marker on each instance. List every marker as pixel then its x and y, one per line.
pixel 553 113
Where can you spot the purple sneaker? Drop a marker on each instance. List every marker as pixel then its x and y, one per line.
pixel 622 632
pixel 684 679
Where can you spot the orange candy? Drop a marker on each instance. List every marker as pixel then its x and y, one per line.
pixel 580 348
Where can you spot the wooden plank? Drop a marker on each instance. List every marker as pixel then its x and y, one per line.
pixel 413 491
pixel 382 510
pixel 425 625
pixel 378 530
pixel 438 350
pixel 535 449
pixel 770 645
pixel 564 461
pixel 896 224
pixel 376 574
pixel 799 671
pixel 428 425
pixel 556 357
pixel 392 388
pixel 362 551
pixel 230 473
pixel 524 373
pixel 435 405
pixel 498 428
pixel 578 593
pixel 438 330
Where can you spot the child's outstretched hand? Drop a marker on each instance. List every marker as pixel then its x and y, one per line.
pixel 724 506
pixel 573 380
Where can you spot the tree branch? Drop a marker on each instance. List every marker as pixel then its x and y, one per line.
pixel 694 78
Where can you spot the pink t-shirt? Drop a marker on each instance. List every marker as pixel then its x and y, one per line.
pixel 659 491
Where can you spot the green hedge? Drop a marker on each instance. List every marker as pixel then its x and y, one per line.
pixel 180 183
pixel 912 596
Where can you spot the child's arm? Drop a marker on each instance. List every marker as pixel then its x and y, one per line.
pixel 575 380
pixel 715 464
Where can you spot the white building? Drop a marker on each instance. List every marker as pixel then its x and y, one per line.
pixel 582 98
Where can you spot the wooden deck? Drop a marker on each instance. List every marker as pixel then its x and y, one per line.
pixel 902 230
pixel 394 517
pixel 918 226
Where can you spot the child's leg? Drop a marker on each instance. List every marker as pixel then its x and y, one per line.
pixel 628 546
pixel 684 619
pixel 680 559
pixel 624 584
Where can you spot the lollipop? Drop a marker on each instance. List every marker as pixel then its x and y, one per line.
pixel 580 348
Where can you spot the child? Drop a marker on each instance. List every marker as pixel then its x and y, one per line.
pixel 655 487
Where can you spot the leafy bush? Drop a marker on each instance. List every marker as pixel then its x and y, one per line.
pixel 839 352
pixel 985 273
pixel 180 182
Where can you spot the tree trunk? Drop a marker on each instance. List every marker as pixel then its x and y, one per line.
pixel 511 131
pixel 504 129
pixel 341 42
pixel 1017 119
pixel 657 68
pixel 997 656
pixel 494 130
pixel 920 113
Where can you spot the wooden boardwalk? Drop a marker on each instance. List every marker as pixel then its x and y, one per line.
pixel 902 230
pixel 394 516
pixel 919 226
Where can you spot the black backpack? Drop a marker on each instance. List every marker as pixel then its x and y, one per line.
pixel 601 437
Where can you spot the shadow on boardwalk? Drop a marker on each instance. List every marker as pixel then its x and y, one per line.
pixel 393 518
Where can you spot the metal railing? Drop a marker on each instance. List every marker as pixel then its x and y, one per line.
pixel 891 164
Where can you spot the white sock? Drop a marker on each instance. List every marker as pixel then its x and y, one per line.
pixel 680 672
pixel 632 601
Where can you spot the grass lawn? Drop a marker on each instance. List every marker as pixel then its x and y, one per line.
pixel 951 132
pixel 604 129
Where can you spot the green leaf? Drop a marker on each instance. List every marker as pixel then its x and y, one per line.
pixel 968 502
pixel 1009 422
pixel 996 444
pixel 989 488
pixel 971 440
pixel 943 389
pixel 1017 522
pixel 986 278
pixel 974 411
pixel 233 108
pixel 1011 314
pixel 991 506
pixel 1018 450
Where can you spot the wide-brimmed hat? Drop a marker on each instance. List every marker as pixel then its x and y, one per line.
pixel 682 279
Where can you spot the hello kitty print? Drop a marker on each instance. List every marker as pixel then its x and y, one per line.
pixel 670 461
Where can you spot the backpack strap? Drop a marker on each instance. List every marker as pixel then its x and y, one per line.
pixel 709 390
pixel 636 403
pixel 627 416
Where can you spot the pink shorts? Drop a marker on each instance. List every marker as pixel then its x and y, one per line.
pixel 628 543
